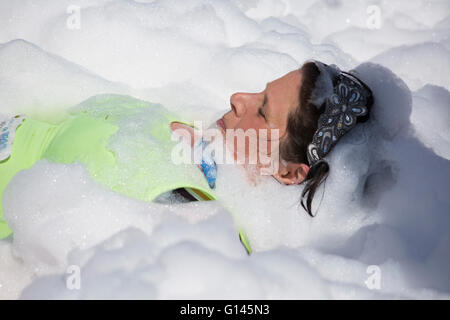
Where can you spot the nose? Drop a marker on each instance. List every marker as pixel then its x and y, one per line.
pixel 238 104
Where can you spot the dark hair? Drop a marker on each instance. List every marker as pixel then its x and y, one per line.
pixel 301 126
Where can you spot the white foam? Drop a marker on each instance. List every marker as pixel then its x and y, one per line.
pixel 385 202
pixel 430 117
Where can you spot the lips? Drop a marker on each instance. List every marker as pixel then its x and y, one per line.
pixel 221 124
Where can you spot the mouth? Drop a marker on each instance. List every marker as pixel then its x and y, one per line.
pixel 221 124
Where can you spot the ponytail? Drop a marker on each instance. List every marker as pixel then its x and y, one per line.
pixel 317 174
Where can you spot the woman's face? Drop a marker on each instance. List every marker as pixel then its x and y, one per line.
pixel 269 110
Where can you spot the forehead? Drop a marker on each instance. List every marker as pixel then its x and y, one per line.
pixel 291 79
pixel 283 96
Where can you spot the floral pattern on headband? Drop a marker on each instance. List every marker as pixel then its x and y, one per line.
pixel 342 108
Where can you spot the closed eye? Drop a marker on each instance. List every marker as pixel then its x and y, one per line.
pixel 261 113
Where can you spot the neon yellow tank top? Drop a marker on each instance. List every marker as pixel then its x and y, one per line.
pixel 125 143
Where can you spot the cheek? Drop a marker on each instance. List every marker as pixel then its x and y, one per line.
pixel 250 122
pixel 255 123
pixel 264 144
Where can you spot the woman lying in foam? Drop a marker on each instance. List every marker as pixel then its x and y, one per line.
pixel 126 143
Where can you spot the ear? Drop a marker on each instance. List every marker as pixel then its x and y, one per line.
pixel 301 171
pixel 292 173
pixel 304 168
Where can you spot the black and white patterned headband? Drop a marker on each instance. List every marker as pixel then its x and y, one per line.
pixel 345 102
